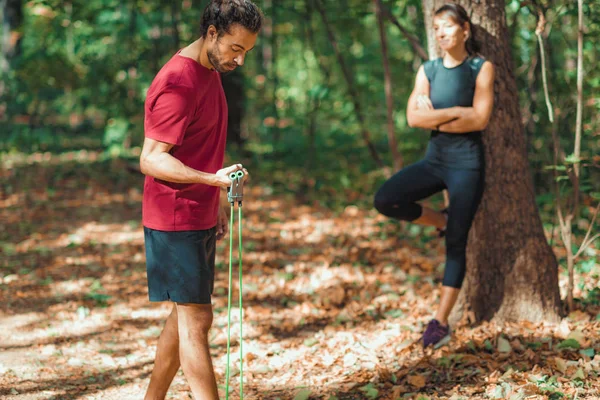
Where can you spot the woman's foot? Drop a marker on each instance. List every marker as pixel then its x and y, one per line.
pixel 436 334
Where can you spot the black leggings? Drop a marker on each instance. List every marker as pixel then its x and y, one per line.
pixel 398 196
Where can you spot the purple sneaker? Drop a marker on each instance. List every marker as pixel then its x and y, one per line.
pixel 436 334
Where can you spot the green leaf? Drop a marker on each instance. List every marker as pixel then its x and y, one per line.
pixel 579 374
pixel 503 345
pixel 572 159
pixel 534 345
pixel 304 394
pixel 370 391
pixel 569 344
pixel 588 352
pixel 471 346
pixel 488 345
pixel 587 265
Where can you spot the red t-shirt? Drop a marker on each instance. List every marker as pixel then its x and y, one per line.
pixel 185 106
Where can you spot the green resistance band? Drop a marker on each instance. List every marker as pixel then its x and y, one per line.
pixel 235 194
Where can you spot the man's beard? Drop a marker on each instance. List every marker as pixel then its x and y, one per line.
pixel 213 57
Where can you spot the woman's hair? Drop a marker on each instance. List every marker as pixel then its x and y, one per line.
pixel 222 14
pixel 460 16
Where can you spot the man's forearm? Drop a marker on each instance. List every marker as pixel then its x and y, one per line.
pixel 167 168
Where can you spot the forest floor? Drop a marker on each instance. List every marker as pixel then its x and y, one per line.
pixel 334 301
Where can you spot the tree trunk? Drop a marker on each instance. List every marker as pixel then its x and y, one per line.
pixel 396 157
pixel 233 85
pixel 12 18
pixel 512 273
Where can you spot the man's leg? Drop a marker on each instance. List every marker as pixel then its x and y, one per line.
pixel 166 362
pixel 194 322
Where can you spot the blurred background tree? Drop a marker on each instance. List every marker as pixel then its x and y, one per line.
pixel 309 111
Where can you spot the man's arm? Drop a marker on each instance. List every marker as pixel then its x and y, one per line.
pixel 426 118
pixel 477 117
pixel 156 161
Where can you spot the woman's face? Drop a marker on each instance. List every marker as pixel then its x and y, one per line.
pixel 448 33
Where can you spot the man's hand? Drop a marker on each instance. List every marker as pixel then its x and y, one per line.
pixel 222 223
pixel 222 175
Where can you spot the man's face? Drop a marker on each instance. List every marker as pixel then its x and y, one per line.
pixel 228 52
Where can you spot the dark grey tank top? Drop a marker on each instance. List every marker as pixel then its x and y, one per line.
pixel 452 87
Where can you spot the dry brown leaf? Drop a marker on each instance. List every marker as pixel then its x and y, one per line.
pixel 417 381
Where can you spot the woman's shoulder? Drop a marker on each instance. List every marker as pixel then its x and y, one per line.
pixel 475 63
pixel 430 67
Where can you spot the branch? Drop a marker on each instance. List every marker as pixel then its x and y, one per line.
pixel 538 32
pixel 559 212
pixel 414 41
pixel 587 242
pixel 578 124
pixel 351 89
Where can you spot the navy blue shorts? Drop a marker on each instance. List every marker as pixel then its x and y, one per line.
pixel 180 265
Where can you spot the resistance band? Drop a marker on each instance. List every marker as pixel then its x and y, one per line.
pixel 235 194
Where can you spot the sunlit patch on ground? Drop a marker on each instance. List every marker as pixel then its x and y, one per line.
pixel 333 304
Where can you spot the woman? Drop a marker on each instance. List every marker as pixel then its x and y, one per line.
pixel 453 96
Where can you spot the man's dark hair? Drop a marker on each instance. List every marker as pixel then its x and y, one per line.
pixel 224 13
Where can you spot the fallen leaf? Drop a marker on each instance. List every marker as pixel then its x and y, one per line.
pixel 579 374
pixel 561 365
pixel 417 381
pixel 304 394
pixel 577 335
pixel 503 345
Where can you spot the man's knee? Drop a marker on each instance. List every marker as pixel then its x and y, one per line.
pixel 195 319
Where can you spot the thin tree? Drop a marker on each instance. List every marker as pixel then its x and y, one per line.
pixel 351 88
pixel 12 18
pixel 389 100
pixel 567 213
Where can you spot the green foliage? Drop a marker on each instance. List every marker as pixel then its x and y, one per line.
pixel 81 79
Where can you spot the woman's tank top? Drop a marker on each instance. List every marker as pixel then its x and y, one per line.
pixel 452 87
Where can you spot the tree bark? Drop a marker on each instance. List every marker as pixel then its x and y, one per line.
pixel 396 157
pixel 512 273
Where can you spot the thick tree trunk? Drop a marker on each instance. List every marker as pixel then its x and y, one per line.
pixel 512 273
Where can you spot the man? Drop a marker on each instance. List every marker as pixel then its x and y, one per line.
pixel 185 132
